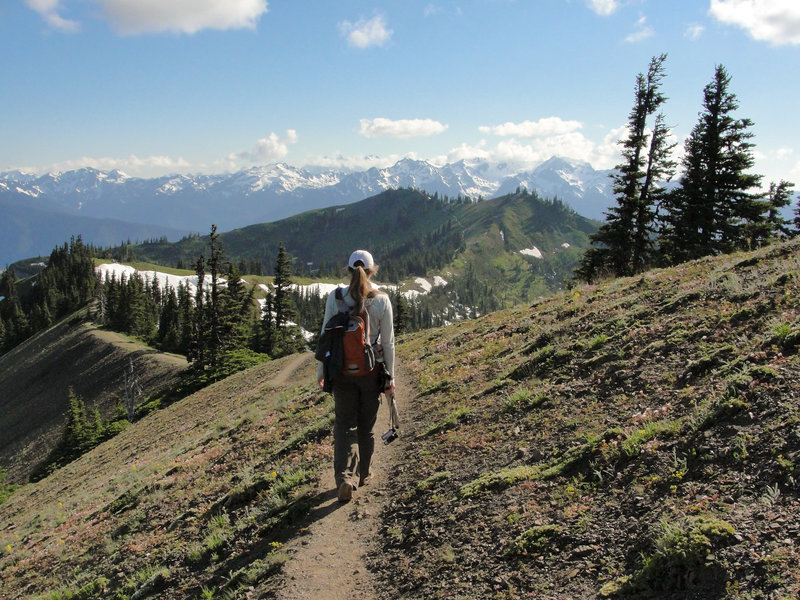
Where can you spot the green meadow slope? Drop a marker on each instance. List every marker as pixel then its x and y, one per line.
pixel 636 438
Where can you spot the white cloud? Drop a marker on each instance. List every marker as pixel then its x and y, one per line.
pixel 464 152
pixel 366 33
pixel 773 21
pixel 643 31
pixel 148 166
pixel 572 144
pixel 338 161
pixel 49 11
pixel 543 127
pixel 403 128
pixel 603 7
pixel 130 17
pixel 694 31
pixel 265 150
pixel 783 153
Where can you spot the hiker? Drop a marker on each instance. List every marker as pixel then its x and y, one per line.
pixel 357 396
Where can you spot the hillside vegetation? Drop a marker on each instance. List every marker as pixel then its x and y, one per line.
pixel 410 233
pixel 631 439
pixel 634 438
pixel 35 378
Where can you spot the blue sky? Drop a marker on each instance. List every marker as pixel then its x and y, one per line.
pixel 154 87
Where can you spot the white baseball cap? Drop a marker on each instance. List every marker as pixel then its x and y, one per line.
pixel 363 256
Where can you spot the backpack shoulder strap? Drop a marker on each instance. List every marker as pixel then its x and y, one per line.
pixel 340 303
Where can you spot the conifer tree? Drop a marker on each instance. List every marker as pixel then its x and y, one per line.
pixel 779 197
pixel 215 308
pixel 286 339
pixel 401 315
pixel 624 244
pixel 268 325
pixel 197 346
pixel 185 318
pixel 282 282
pixel 712 211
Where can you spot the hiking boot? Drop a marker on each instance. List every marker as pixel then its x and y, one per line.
pixel 365 480
pixel 345 492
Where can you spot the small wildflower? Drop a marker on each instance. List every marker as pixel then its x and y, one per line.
pixel 60 505
pixel 133 467
pixel 273 474
pixel 8 548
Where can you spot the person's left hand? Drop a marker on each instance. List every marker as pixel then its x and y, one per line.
pixel 389 391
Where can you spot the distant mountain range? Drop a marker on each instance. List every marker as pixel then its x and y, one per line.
pixel 175 205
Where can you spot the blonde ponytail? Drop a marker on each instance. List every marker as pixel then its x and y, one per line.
pixel 359 286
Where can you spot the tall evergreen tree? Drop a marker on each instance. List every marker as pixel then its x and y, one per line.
pixel 712 210
pixel 779 198
pixel 197 346
pixel 215 305
pixel 401 315
pixel 287 339
pixel 268 326
pixel 185 318
pixel 624 244
pixel 282 281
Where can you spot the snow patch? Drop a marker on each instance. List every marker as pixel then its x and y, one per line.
pixel 534 252
pixel 107 270
pixel 565 245
pixel 424 284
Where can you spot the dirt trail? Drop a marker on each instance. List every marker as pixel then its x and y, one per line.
pixel 327 559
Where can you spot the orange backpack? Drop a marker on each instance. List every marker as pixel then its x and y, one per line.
pixel 358 353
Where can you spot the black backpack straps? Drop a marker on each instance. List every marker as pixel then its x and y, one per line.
pixel 340 303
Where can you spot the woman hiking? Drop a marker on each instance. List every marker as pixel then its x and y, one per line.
pixel 357 396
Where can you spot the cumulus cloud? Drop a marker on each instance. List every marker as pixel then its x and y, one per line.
pixel 50 11
pixel 573 144
pixel 181 16
pixel 773 21
pixel 366 33
pixel 643 31
pixel 148 166
pixel 694 31
pixel 268 149
pixel 603 7
pixel 543 127
pixel 402 128
pixel 339 161
pixel 131 17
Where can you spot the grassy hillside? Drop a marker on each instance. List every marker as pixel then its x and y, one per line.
pixel 196 494
pixel 637 438
pixel 36 375
pixel 632 439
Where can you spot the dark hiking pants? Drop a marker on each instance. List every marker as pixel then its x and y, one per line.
pixel 356 400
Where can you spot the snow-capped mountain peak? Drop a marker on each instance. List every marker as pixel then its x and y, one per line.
pixel 275 191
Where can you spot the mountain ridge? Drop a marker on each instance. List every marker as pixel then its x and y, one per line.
pixel 271 192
